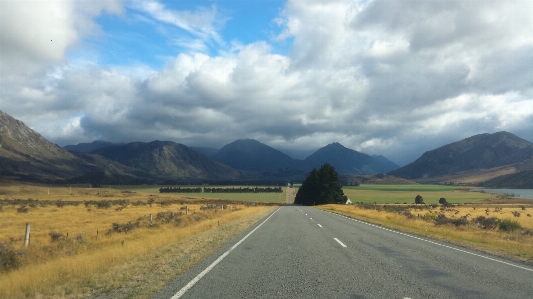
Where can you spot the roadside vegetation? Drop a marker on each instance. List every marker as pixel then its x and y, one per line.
pixel 79 239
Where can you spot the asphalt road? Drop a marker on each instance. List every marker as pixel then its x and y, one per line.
pixel 302 252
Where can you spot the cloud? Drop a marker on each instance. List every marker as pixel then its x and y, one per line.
pixel 391 78
pixel 203 24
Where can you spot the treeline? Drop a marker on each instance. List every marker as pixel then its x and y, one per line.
pixel 221 190
pixel 244 190
pixel 179 190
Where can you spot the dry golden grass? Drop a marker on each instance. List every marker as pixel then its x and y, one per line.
pixel 68 267
pixel 514 244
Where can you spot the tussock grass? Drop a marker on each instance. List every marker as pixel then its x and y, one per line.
pixel 517 244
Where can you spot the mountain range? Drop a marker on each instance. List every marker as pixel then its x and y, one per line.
pixel 25 154
pixel 480 157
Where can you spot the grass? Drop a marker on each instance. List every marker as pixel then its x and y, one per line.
pixel 517 244
pixel 246 197
pixel 383 194
pixel 88 248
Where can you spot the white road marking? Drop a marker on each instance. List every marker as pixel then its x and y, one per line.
pixel 435 243
pixel 338 241
pixel 320 225
pixel 220 258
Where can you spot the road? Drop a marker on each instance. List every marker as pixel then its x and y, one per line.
pixel 303 252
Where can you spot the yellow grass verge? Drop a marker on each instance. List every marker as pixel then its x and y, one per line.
pixel 66 274
pixel 513 244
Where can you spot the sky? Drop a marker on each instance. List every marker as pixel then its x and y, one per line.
pixel 392 78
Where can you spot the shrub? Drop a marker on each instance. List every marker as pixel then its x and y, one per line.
pixel 442 219
pixel 419 200
pixel 126 227
pixel 443 201
pixel 103 204
pixel 486 223
pixel 9 260
pixel 55 236
pixel 22 209
pixel 509 225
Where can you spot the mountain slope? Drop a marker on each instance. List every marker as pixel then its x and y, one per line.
pixel 89 147
pixel 250 154
pixel 348 161
pixel 165 159
pixel 26 154
pixel 483 151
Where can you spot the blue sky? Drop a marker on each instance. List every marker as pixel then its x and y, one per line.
pixel 395 78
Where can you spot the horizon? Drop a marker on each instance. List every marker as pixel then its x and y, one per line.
pixel 393 79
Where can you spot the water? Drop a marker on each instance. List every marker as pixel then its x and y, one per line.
pixel 518 193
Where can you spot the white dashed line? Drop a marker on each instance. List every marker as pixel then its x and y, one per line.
pixel 338 241
pixel 320 225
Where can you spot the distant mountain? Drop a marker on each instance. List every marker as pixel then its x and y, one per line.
pixel 26 154
pixel 348 161
pixel 250 154
pixel 206 151
pixel 479 152
pixel 166 159
pixel 89 147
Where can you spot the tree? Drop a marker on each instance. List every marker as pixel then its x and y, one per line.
pixel 321 187
pixel 443 201
pixel 419 200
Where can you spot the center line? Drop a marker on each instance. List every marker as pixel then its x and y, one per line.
pixel 319 225
pixel 338 241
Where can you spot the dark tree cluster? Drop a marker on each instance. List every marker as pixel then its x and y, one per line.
pixel 321 186
pixel 179 190
pixel 244 190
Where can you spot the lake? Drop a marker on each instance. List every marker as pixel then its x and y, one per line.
pixel 519 193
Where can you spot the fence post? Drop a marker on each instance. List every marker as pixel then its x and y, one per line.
pixel 150 219
pixel 186 210
pixel 27 235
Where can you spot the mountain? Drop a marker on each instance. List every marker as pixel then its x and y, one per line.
pixel 250 154
pixel 169 160
pixel 475 154
pixel 89 147
pixel 26 154
pixel 348 161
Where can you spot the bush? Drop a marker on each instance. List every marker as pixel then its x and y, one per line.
pixel 22 209
pixel 443 201
pixel 442 219
pixel 55 236
pixel 509 225
pixel 9 259
pixel 419 200
pixel 486 223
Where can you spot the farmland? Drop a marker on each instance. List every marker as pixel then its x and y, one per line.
pixel 401 194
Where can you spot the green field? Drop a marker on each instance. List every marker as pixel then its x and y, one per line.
pixel 249 197
pixel 366 193
pixel 382 194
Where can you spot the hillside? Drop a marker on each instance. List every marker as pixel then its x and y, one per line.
pixel 250 154
pixel 348 161
pixel 519 180
pixel 26 154
pixel 169 160
pixel 479 152
pixel 89 147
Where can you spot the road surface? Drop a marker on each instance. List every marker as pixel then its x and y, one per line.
pixel 303 252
